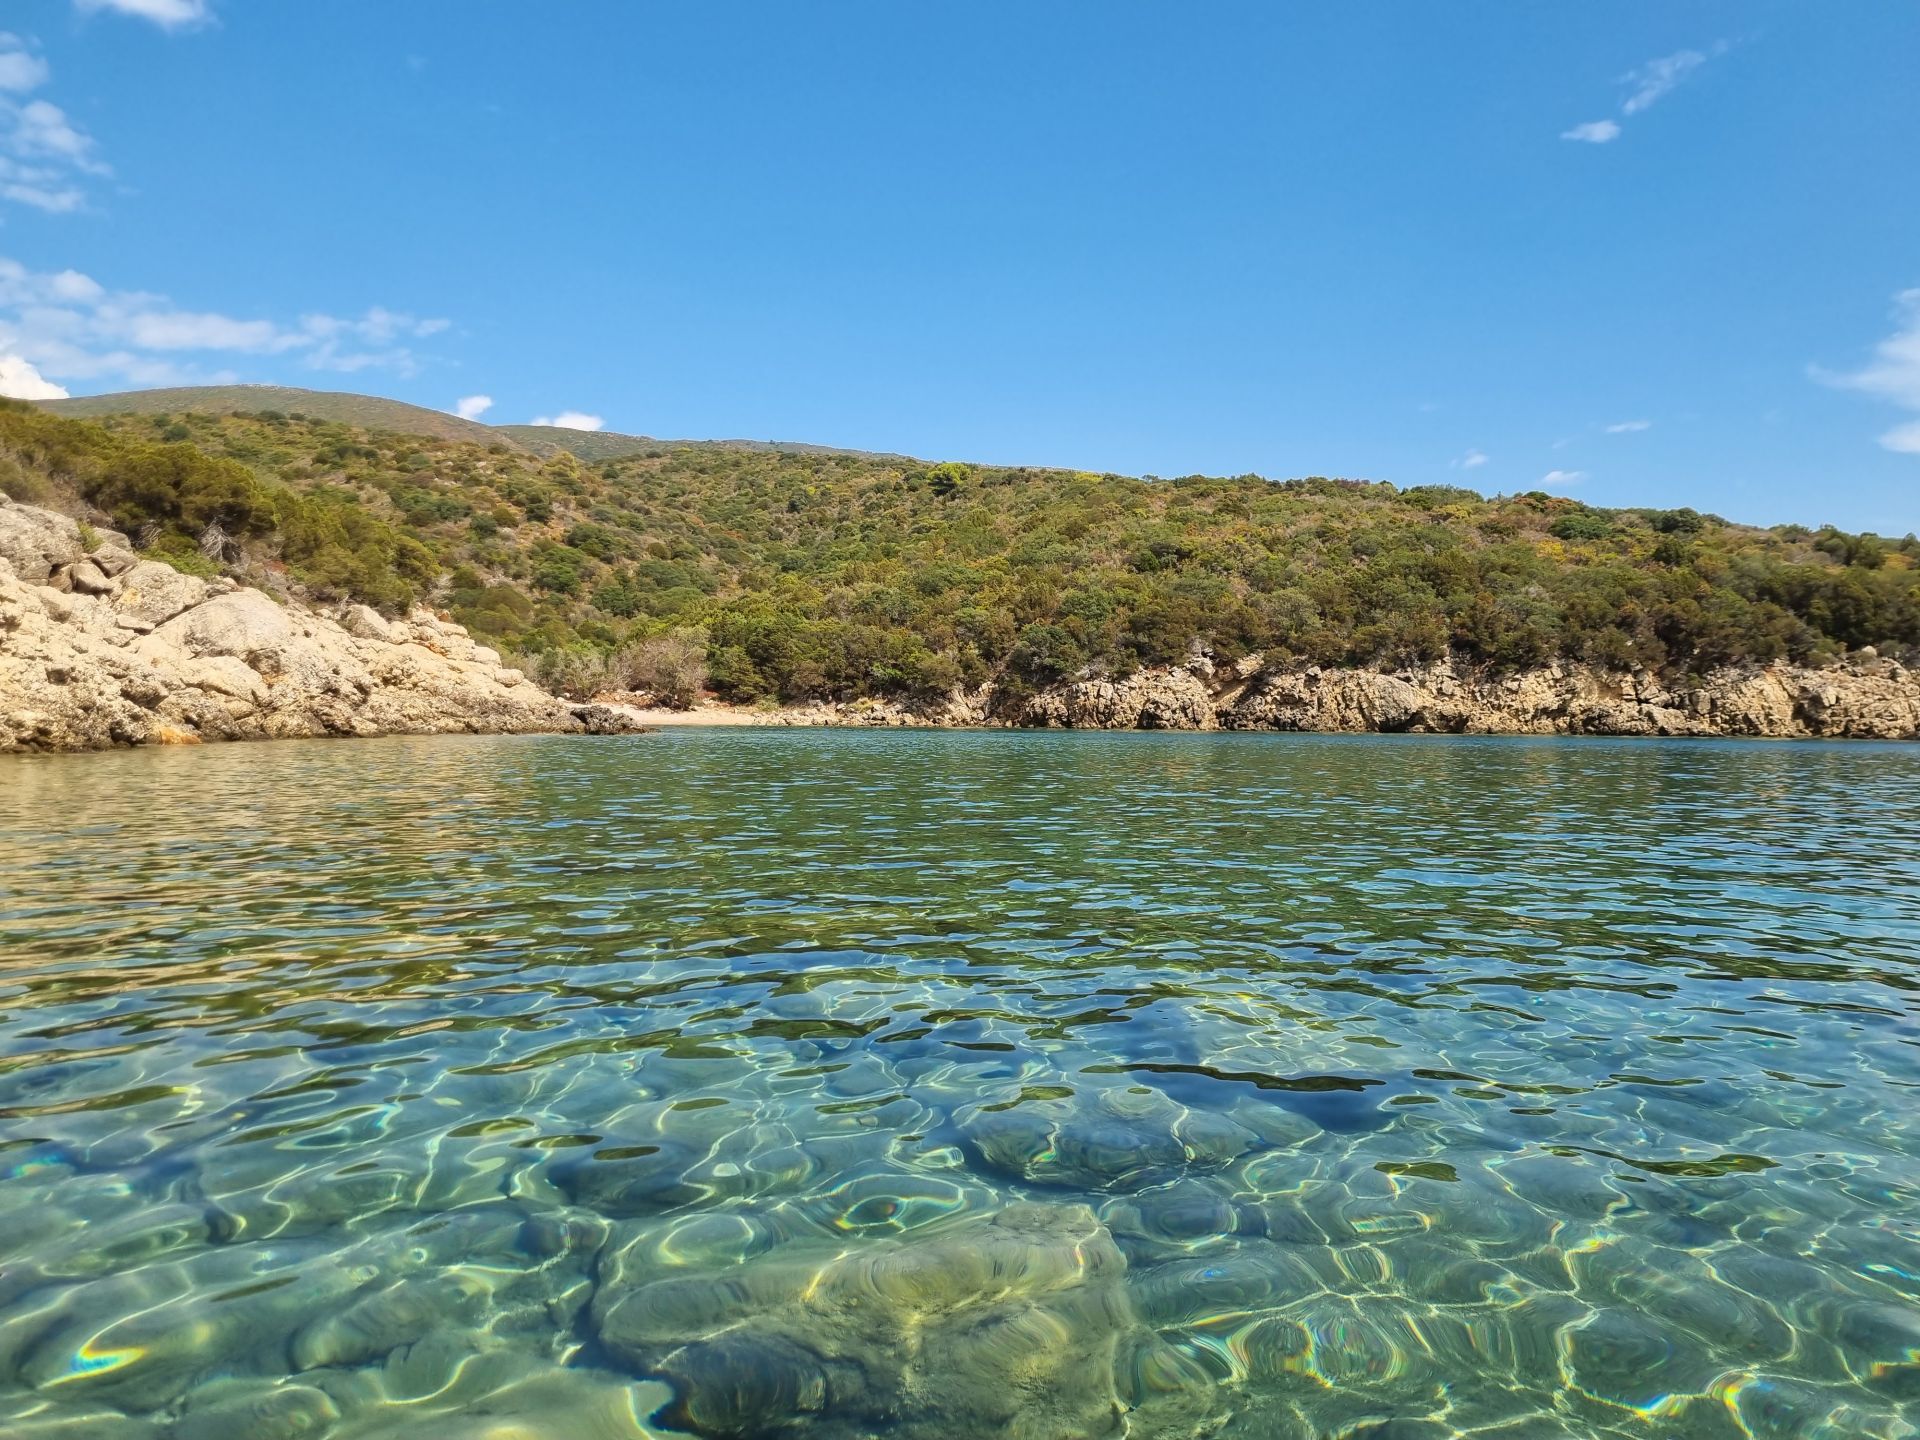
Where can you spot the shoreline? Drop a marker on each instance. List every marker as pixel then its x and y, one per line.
pixel 1866 698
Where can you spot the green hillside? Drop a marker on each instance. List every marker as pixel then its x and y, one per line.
pixel 599 445
pixel 372 412
pixel 835 575
pixel 549 440
pixel 369 412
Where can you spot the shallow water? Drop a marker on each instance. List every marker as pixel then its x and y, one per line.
pixel 947 1084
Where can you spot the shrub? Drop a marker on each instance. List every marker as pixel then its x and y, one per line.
pixel 672 668
pixel 1581 525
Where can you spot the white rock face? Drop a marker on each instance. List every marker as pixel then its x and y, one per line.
pixel 107 649
pixel 1871 699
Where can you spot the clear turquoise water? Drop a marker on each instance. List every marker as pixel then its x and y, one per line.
pixel 855 1083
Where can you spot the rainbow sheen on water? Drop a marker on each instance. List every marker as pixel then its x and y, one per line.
pixel 767 1083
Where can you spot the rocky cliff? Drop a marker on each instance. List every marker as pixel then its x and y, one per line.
pixel 100 647
pixel 1868 698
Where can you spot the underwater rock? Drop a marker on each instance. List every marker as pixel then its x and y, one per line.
pixel 692 1239
pixel 624 1182
pixel 541 1402
pixel 743 1384
pixel 1172 1220
pixel 139 1340
pixel 1006 1324
pixel 47 1422
pixel 1117 1139
pixel 553 1234
pixel 1882 1346
pixel 373 1326
pixel 1245 1280
pixel 1623 1360
pixel 229 1410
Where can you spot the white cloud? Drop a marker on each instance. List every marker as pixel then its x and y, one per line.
pixel 1562 478
pixel 1594 132
pixel 1629 427
pixel 1657 77
pixel 1472 460
pixel 70 326
pixel 20 69
pixel 1651 83
pixel 20 381
pixel 166 13
pixel 571 420
pixel 1893 374
pixel 43 154
pixel 472 407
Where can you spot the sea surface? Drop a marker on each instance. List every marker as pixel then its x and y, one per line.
pixel 847 1083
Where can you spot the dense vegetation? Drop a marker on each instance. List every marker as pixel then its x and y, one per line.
pixel 833 574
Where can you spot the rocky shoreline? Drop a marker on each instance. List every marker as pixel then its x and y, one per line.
pixel 100 647
pixel 1866 698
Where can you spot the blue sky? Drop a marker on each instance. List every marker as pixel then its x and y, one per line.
pixel 1644 253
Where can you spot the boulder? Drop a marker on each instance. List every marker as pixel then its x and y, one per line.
pixel 152 593
pixel 244 624
pixel 37 542
pixel 107 649
pixel 86 576
pixel 365 623
pixel 1018 1323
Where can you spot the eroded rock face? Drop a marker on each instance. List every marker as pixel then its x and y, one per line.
pixel 103 648
pixel 1176 699
pixel 1015 1324
pixel 1871 698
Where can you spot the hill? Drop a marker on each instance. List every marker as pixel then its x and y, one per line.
pixel 838 575
pixel 372 412
pixel 594 445
pixel 598 445
pixel 369 412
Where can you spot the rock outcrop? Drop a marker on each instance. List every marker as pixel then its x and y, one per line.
pixel 1866 698
pixel 99 647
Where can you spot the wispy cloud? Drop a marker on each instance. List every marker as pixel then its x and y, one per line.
pixel 1657 78
pixel 69 326
pixel 472 407
pixel 1649 84
pixel 168 14
pixel 1594 132
pixel 1472 460
pixel 1628 427
pixel 45 159
pixel 1893 374
pixel 1561 479
pixel 571 420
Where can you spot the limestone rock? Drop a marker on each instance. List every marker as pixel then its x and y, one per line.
pixel 86 576
pixel 155 593
pixel 1176 699
pixel 108 649
pixel 363 622
pixel 37 542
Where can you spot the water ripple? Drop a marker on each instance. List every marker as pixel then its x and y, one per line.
pixel 957 1084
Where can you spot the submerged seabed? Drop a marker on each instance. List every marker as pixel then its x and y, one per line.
pixel 961 1085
